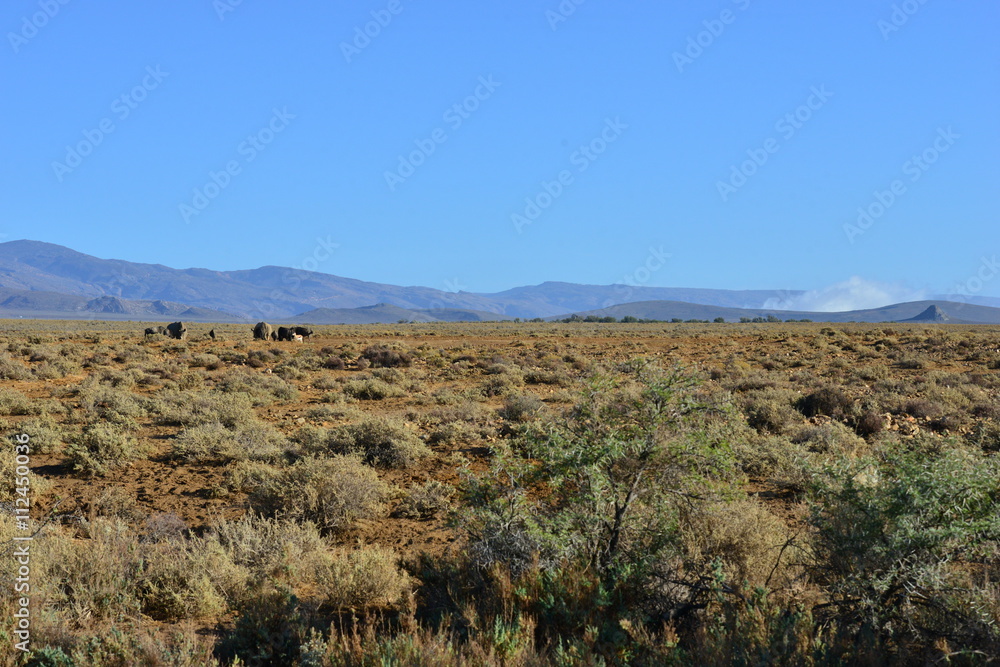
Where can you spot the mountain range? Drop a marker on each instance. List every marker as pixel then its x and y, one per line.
pixel 44 280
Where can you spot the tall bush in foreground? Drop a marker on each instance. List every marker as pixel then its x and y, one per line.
pixel 906 546
pixel 592 510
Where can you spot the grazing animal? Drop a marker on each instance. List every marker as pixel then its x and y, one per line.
pixel 297 338
pixel 176 330
pixel 152 331
pixel 284 333
pixel 211 334
pixel 264 331
pixel 302 331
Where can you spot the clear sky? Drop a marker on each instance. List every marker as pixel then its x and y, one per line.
pixel 485 145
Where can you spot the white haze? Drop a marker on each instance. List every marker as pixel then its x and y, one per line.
pixel 853 294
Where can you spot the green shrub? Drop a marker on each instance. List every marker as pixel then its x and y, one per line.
pixel 360 579
pixel 389 374
pixel 9 466
pixel 831 439
pixel 191 409
pixel 13 402
pixel 895 542
pixel 770 410
pixel 46 435
pixel 501 384
pixel 457 432
pixel 325 383
pixel 209 361
pixel 52 370
pixel 599 490
pixel 105 403
pixel 425 501
pixel 521 408
pixel 331 492
pixel 334 363
pixel 116 503
pixel 372 389
pixel 269 629
pixel 262 388
pixel 382 356
pixel 912 362
pixel 986 436
pixel 102 447
pixel 11 369
pixel 93 578
pixel 380 441
pixel 828 401
pixel 213 442
pixel 176 579
pixel 559 378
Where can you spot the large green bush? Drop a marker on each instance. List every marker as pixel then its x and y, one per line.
pixel 605 492
pixel 904 545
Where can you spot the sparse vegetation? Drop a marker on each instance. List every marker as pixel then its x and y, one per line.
pixel 511 494
pixel 331 492
pixel 382 442
pixel 102 447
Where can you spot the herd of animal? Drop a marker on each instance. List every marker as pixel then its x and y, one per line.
pixel 264 331
pixel 175 330
pixel 261 331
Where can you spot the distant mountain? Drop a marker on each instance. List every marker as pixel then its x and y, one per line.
pixel 25 303
pixel 931 314
pixel 384 313
pixel 552 298
pixel 270 292
pixel 991 301
pixel 913 311
pixel 274 292
pixel 46 280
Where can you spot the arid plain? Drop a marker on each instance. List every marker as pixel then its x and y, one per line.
pixel 508 494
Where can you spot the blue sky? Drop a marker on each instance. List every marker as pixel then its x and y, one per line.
pixel 481 146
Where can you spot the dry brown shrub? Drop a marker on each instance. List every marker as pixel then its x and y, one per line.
pixel 753 545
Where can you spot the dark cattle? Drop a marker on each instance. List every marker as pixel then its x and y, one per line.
pixel 302 331
pixel 211 334
pixel 264 331
pixel 176 330
pixel 285 333
pixel 152 331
